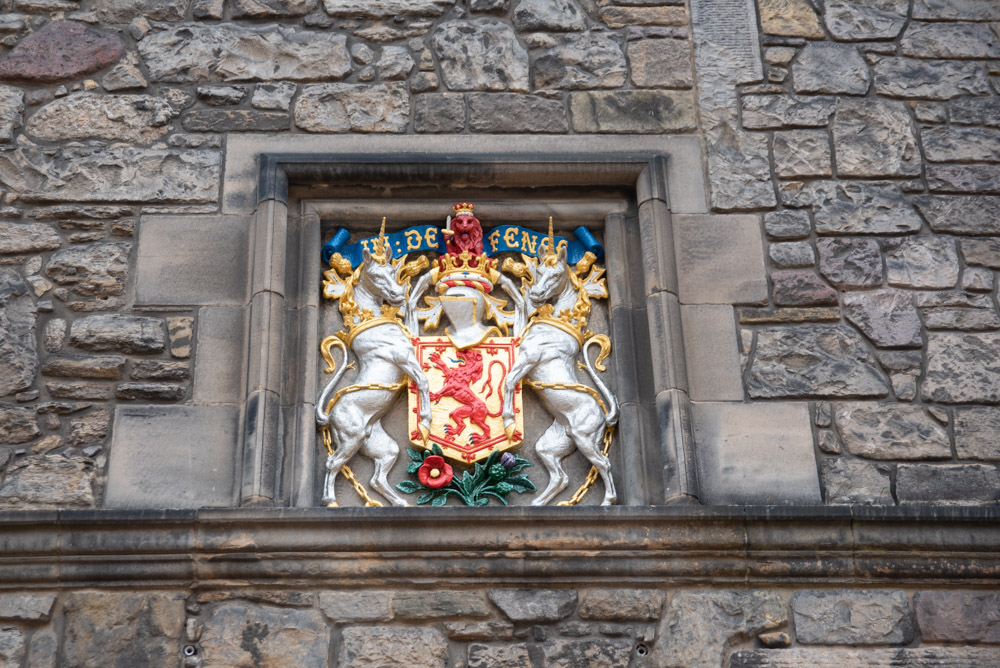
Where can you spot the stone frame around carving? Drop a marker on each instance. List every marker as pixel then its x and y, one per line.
pixel 279 438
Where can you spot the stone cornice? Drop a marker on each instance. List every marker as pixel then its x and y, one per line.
pixel 732 546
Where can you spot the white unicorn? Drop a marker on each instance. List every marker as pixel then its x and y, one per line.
pixel 385 357
pixel 547 360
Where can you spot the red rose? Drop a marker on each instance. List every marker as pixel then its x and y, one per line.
pixel 435 472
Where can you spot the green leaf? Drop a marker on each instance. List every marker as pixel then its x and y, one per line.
pixel 436 449
pixel 408 486
pixel 424 498
pixel 521 483
pixel 416 455
pixel 518 465
pixel 440 500
pixel 492 459
pixel 499 496
pixel 413 467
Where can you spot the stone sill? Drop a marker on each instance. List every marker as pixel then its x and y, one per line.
pixel 455 547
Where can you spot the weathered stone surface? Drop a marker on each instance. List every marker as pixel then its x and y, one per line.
pixel 966 319
pixel 27 237
pixel 124 11
pixel 976 429
pixel 887 317
pixel 127 628
pixel 958 616
pixel 962 368
pixel 814 361
pixel 801 288
pixel 84 366
pixel 138 119
pixel 42 649
pixel 395 63
pixel 97 269
pixel 534 605
pixel 126 75
pixel 439 112
pixel 789 18
pixel 48 481
pixel 856 207
pixel 61 51
pixel 180 330
pixel 259 9
pixel 553 15
pixel 363 647
pixel 353 107
pixel 739 169
pixel 854 482
pixel 160 370
pixel 977 279
pixel 436 604
pixel 858 617
pixel 699 625
pixel 479 630
pixel 891 431
pixel 622 604
pixel 11 111
pixel 510 112
pixel 974 10
pixel 499 656
pixel 976 111
pixel 961 144
pixel 827 67
pixel 234 120
pixel 377 9
pixel 659 63
pixel 983 179
pixel 875 138
pixel 591 60
pixel 950 40
pixel 79 391
pixel 923 262
pixel 90 429
pixel 18 352
pixel 27 607
pixel 792 254
pixel 275 96
pixel 929 79
pixel 238 633
pixel 128 334
pixel 773 112
pixel 88 173
pixel 850 262
pixel 564 653
pixel 968 484
pixel 787 224
pixel 482 54
pixel 622 17
pixel 355 606
pixel 874 19
pixel 11 645
pixel 801 153
pixel 641 111
pixel 199 53
pixel 151 391
pixel 17 425
pixel 961 214
pixel 864 657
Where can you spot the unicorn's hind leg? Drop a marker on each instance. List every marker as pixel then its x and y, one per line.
pixel 589 443
pixel 552 446
pixel 383 451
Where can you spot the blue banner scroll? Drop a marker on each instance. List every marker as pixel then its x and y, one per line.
pixel 503 239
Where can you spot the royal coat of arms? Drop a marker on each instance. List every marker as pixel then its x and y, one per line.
pixel 453 330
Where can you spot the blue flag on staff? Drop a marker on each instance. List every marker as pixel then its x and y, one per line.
pixel 503 239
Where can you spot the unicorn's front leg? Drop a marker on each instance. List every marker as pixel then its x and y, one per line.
pixel 520 369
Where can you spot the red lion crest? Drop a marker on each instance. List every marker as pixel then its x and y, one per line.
pixel 458 382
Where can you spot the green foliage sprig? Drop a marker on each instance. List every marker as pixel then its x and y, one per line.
pixel 496 478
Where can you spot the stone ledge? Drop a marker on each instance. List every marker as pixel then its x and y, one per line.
pixel 755 545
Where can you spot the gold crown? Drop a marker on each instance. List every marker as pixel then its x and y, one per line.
pixel 478 271
pixel 463 208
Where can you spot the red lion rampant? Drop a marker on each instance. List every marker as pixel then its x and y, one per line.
pixel 466 234
pixel 458 382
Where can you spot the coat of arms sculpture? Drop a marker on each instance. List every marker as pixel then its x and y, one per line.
pixel 463 340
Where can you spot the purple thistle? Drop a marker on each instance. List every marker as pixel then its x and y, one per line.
pixel 508 460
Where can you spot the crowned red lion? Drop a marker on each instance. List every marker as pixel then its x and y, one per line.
pixel 466 234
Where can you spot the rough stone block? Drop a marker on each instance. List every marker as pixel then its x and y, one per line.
pixel 958 616
pixel 891 431
pixel 950 40
pixel 828 67
pixel 975 111
pixel 353 108
pixel 874 138
pixel 792 254
pixel 439 112
pixel 581 62
pixel 929 79
pixel 961 214
pixel 773 112
pixel 787 224
pixel 481 55
pixel 48 481
pixel 513 655
pixel 534 605
pixel 961 143
pixel 720 259
pixel 61 51
pixel 965 484
pixel 479 630
pixel 159 459
pixel 847 617
pixel 355 606
pixel 850 262
pixel 850 20
pixel 977 432
pixel 865 657
pixel 193 260
pixel 853 482
pixel 855 207
pixel 234 120
pixel 789 18
pixel 238 633
pixel 12 645
pixel 713 366
pixel 17 425
pixel 137 119
pixel 108 367
pixel 129 334
pixel 801 287
pixel 639 111
pixel 27 607
pixel 608 652
pixel 887 317
pixel 962 368
pixel 982 179
pixel 150 391
pixel 755 453
pixel 437 604
pixel 801 153
pixel 622 604
pixel 660 63
pixel 390 647
pixel 511 112
pixel 961 10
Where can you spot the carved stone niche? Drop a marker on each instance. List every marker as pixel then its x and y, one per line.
pixel 622 198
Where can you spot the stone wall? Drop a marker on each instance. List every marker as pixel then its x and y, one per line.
pixel 513 628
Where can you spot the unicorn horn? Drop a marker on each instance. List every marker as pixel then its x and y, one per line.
pixel 552 239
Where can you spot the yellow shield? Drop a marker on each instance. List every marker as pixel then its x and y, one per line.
pixel 466 389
